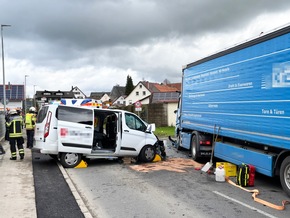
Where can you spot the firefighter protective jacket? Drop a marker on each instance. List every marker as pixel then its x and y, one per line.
pixel 15 126
pixel 30 119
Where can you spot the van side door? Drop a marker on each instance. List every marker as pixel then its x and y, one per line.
pixel 133 134
pixel 75 129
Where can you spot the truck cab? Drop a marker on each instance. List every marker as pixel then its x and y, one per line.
pixel 72 133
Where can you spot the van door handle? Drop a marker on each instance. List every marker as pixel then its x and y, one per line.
pixel 88 127
pixel 54 127
pixel 126 130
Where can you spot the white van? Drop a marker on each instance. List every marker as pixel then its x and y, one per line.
pixel 72 133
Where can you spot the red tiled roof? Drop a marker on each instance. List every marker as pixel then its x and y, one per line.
pixel 156 87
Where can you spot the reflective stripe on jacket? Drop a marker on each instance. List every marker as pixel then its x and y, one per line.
pixel 15 126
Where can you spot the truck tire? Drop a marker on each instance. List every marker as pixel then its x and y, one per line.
pixel 70 160
pixel 285 175
pixel 147 153
pixel 194 147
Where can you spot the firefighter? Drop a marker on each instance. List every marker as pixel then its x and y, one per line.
pixel 15 134
pixel 7 117
pixel 30 120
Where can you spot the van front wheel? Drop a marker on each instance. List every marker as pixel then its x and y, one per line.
pixel 70 160
pixel 147 153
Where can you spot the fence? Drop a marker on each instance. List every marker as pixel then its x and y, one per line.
pixel 151 113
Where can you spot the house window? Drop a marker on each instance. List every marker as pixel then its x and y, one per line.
pixel 137 93
pixel 144 92
pixel 130 101
pixel 140 86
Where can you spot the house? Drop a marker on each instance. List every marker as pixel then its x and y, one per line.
pixel 121 101
pixel 161 99
pixel 117 92
pixel 140 92
pixel 78 93
pixel 170 101
pixel 103 96
pixel 14 96
pixel 144 89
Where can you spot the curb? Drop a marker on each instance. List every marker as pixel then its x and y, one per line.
pixel 75 192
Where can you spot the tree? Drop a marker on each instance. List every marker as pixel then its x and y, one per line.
pixel 129 85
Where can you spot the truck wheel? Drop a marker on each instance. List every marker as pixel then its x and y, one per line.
pixel 194 148
pixel 70 160
pixel 147 153
pixel 285 175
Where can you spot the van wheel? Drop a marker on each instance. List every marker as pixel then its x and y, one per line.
pixel 285 175
pixel 147 154
pixel 70 160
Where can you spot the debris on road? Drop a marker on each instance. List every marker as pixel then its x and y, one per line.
pixel 171 164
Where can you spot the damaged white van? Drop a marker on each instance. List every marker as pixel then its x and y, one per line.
pixel 73 133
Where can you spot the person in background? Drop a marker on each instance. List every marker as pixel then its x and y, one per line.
pixel 15 134
pixel 7 116
pixel 30 120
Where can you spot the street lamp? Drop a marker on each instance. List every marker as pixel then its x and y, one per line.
pixel 34 102
pixel 25 93
pixel 3 68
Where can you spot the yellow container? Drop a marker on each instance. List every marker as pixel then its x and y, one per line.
pixel 82 164
pixel 230 169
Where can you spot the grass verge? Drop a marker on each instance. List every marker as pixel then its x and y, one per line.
pixel 164 132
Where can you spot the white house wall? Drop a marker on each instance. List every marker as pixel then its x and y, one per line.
pixel 78 93
pixel 171 118
pixel 143 92
pixel 105 98
pixel 119 101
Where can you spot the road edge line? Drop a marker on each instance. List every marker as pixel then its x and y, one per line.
pixel 245 205
pixel 75 193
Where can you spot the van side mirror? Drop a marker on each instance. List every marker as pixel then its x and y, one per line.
pixel 151 127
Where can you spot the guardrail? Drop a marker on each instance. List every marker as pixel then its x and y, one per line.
pixel 2 126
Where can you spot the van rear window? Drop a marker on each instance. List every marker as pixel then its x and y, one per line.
pixel 41 114
pixel 75 115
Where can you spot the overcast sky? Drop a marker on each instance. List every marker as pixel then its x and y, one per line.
pixel 95 44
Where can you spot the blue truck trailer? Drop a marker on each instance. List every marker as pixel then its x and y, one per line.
pixel 239 99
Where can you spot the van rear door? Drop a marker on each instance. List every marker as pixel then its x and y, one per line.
pixel 75 129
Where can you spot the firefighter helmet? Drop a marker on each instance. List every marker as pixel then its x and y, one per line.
pixel 12 111
pixel 32 109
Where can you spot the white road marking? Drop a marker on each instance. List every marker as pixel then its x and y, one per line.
pixel 245 205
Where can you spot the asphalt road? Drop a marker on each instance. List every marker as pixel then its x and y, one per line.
pixel 53 196
pixel 111 189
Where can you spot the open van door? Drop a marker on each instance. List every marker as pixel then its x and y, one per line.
pixel 75 129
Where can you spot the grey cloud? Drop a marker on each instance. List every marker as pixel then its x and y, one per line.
pixel 65 34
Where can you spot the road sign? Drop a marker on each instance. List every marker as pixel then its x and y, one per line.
pixel 138 106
